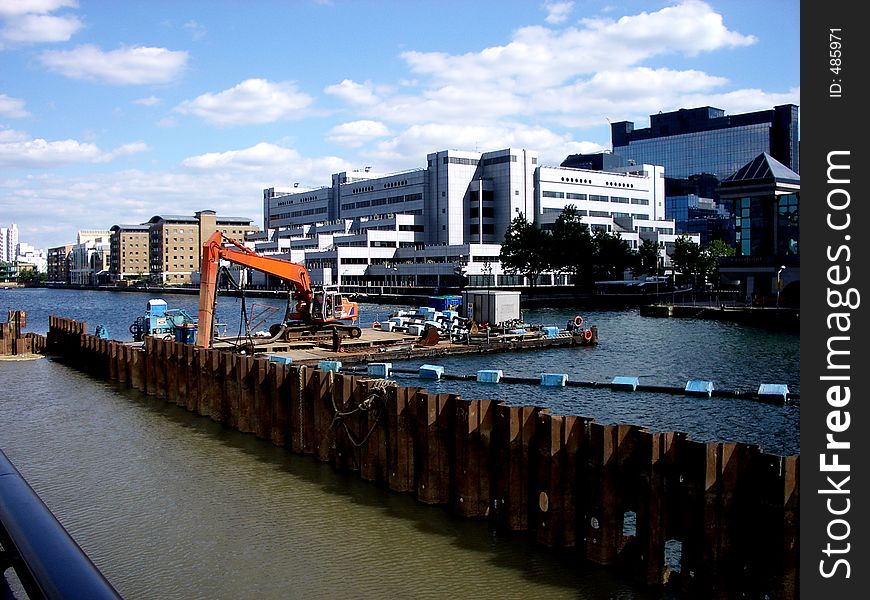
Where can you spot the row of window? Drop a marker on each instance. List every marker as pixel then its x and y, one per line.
pixel 381 201
pixel 298 213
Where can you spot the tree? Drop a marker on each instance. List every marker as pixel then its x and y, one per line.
pixel 31 276
pixel 648 259
pixel 525 249
pixel 573 250
pixel 613 255
pixel 713 252
pixel 687 258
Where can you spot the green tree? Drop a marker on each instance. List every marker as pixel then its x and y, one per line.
pixel 688 259
pixel 573 250
pixel 613 255
pixel 31 277
pixel 648 259
pixel 712 253
pixel 525 249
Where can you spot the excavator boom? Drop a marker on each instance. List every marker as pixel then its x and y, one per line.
pixel 214 250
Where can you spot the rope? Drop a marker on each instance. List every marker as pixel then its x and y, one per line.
pixel 375 399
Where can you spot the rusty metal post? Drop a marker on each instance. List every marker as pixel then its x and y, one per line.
pixel 400 450
pixel 432 452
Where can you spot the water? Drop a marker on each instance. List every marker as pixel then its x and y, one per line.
pixel 657 351
pixel 171 505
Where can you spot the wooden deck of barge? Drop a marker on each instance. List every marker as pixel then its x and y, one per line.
pixel 375 345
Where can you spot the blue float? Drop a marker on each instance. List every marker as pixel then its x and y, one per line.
pixel 699 387
pixel 329 365
pixel 489 375
pixel 624 383
pixel 771 391
pixel 554 379
pixel 380 369
pixel 431 371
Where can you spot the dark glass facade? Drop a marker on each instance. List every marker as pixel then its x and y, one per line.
pixel 704 140
pixel 699 148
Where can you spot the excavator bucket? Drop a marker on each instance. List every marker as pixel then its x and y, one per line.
pixel 429 337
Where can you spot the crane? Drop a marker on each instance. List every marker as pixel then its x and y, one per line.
pixel 317 308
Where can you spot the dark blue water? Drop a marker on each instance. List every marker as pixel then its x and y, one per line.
pixel 657 351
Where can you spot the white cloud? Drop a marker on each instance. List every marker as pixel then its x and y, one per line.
pixel 256 157
pixel 39 153
pixel 557 12
pixel 125 66
pixel 267 158
pixel 538 57
pixel 357 133
pixel 11 135
pixel 253 101
pixel 34 29
pixel 621 94
pixel 17 150
pixel 415 142
pixel 235 180
pixel 559 77
pixel 12 108
pixel 354 93
pixel 28 22
pixel 127 150
pixel 14 8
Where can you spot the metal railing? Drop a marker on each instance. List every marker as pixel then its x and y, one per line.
pixel 47 560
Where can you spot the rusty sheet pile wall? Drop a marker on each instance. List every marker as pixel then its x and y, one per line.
pixel 617 494
pixel 14 342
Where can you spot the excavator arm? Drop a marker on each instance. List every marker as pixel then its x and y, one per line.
pixel 213 251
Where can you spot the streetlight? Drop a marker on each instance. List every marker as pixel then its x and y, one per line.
pixel 779 283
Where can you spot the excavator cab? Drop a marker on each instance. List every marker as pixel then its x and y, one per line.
pixel 329 305
pixel 318 309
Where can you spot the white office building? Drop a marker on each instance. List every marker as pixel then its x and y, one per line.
pixel 8 243
pixel 423 227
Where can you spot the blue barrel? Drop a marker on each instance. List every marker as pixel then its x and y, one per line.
pixel 185 333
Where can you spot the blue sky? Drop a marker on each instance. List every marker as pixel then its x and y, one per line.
pixel 112 112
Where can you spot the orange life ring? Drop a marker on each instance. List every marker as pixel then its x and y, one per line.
pixel 587 335
pixel 376 325
pixel 578 321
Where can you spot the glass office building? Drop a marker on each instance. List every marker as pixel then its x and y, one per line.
pixel 765 199
pixel 704 140
pixel 698 146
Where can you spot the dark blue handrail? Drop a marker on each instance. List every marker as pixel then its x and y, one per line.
pixel 48 561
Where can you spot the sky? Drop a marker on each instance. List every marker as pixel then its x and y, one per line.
pixel 112 112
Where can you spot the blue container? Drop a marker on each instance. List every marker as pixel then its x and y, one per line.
pixel 431 371
pixel 550 332
pixel 329 365
pixel 380 369
pixel 442 303
pixel 699 387
pixel 554 379
pixel 284 360
pixel 624 383
pixel 185 333
pixel 489 375
pixel 773 391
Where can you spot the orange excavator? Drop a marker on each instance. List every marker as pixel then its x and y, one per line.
pixel 317 309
